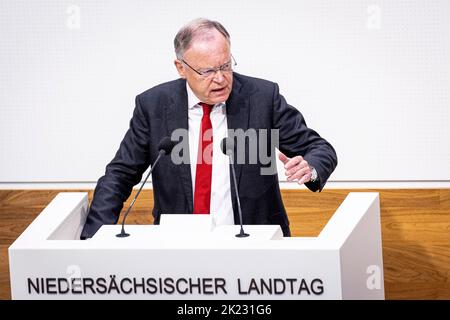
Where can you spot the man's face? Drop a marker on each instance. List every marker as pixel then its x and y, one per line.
pixel 207 51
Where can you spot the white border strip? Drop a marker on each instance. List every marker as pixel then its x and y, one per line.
pixel 283 185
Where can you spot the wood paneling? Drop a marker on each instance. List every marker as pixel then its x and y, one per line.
pixel 5 289
pixel 415 231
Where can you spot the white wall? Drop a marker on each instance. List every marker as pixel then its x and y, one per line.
pixel 372 77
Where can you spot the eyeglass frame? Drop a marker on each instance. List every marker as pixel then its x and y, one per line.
pixel 219 68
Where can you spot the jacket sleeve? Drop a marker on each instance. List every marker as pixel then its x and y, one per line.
pixel 295 138
pixel 121 174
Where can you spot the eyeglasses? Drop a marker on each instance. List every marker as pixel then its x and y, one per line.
pixel 209 73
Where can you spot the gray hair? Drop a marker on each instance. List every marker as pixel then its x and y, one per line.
pixel 184 37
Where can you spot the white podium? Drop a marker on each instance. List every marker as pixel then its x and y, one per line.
pixel 187 257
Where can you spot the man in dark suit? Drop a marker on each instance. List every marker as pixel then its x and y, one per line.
pixel 208 100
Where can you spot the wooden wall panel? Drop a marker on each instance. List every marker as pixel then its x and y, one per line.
pixel 415 231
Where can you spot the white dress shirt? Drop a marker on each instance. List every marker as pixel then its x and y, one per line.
pixel 221 207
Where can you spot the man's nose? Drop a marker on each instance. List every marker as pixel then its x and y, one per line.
pixel 218 76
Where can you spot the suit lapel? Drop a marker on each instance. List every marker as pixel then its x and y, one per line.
pixel 238 110
pixel 177 118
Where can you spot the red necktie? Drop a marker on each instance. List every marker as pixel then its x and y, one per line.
pixel 203 174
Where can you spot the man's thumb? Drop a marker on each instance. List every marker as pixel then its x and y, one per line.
pixel 282 157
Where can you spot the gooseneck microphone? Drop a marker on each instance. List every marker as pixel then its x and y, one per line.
pixel 165 147
pixel 228 148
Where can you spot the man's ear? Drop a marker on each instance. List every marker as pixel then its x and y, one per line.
pixel 180 68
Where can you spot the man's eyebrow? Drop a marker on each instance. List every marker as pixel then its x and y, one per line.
pixel 207 68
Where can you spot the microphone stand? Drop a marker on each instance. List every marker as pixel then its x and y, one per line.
pixel 123 234
pixel 241 234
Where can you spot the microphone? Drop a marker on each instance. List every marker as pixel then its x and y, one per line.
pixel 228 148
pixel 165 147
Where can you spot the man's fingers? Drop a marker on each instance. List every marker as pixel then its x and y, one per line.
pixel 293 170
pixel 305 178
pixel 297 168
pixel 293 162
pixel 299 174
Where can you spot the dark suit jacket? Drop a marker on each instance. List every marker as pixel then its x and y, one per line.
pixel 253 103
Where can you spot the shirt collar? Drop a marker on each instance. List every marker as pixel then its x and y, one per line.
pixel 193 100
